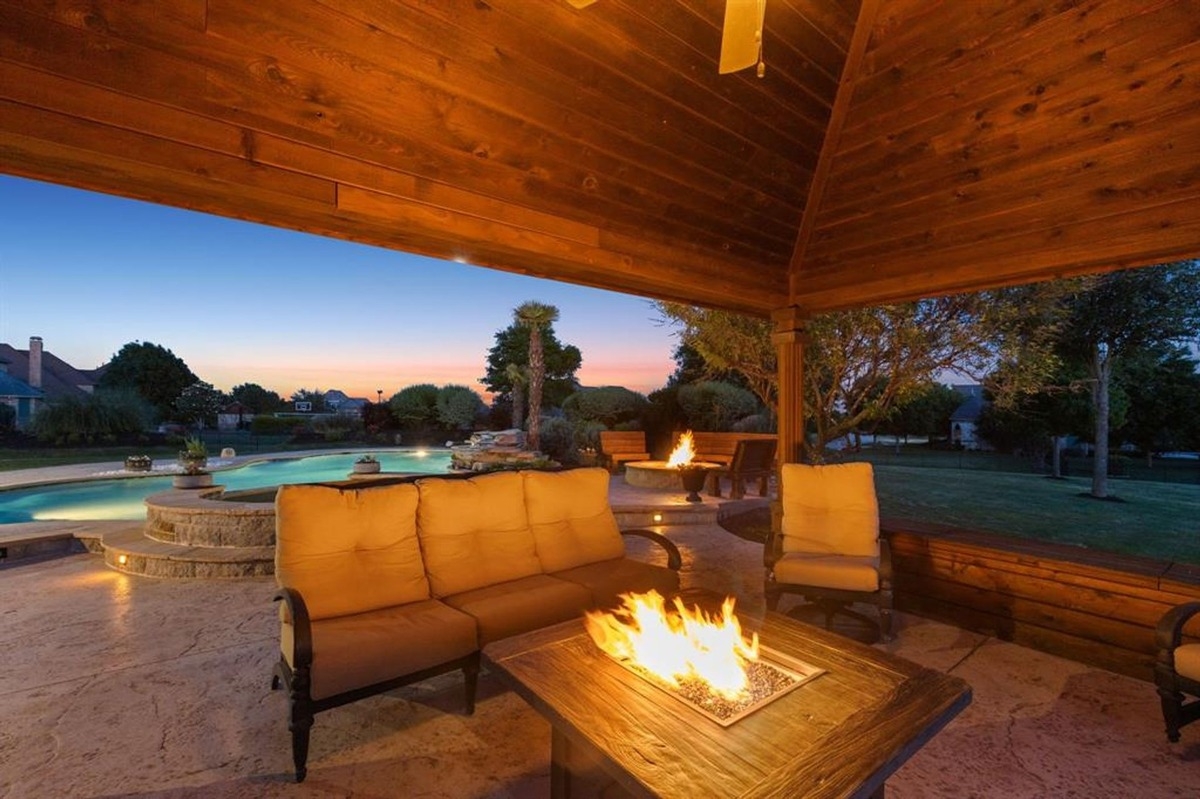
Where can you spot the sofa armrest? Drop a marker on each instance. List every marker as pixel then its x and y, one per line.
pixel 302 647
pixel 674 559
pixel 1169 632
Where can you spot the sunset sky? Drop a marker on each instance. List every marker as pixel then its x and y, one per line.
pixel 240 302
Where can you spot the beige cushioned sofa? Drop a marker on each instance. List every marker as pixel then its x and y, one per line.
pixel 390 583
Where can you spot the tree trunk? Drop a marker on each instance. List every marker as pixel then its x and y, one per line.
pixel 537 369
pixel 1056 456
pixel 518 405
pixel 1101 370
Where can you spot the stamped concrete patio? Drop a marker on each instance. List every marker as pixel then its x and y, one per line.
pixel 118 685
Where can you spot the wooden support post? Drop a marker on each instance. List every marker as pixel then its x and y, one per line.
pixel 789 338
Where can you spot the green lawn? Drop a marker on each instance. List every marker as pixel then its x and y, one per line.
pixel 1159 520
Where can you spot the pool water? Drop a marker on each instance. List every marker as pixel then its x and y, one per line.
pixel 121 498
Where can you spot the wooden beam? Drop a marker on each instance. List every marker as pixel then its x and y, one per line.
pixel 829 147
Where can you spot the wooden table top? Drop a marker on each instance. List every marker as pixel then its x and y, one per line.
pixel 840 735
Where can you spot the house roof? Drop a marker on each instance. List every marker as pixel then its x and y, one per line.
pixel 11 386
pixel 59 378
pixel 893 149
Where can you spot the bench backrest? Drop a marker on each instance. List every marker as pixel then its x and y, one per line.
pixel 617 441
pixel 754 455
pixel 724 444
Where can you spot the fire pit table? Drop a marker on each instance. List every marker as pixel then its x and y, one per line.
pixel 840 735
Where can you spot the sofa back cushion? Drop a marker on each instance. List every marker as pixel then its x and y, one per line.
pixel 830 510
pixel 571 520
pixel 475 532
pixel 349 551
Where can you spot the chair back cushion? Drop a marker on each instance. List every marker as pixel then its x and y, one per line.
pixel 572 522
pixel 830 510
pixel 349 551
pixel 475 532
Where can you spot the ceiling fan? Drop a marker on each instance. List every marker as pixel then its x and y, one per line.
pixel 741 38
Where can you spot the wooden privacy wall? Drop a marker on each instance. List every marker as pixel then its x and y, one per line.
pixel 994 142
pixel 1092 607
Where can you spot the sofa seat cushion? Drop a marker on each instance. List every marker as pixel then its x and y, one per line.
pixel 349 550
pixel 844 572
pixel 367 648
pixel 1187 661
pixel 609 579
pixel 475 532
pixel 571 520
pixel 521 605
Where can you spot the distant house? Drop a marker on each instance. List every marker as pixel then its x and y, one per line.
pixel 964 422
pixel 339 402
pixel 234 416
pixel 29 378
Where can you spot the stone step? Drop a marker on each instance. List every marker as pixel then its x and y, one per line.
pixel 129 550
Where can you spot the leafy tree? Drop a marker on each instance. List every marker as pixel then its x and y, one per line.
pixel 860 363
pixel 610 405
pixel 716 406
pixel 256 398
pixel 315 396
pixel 8 418
pixel 512 347
pixel 1163 387
pixel 415 406
pixel 1116 315
pixel 458 407
pixel 200 403
pixel 153 371
pixel 925 413
pixel 535 317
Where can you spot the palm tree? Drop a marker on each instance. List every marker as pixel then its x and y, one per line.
pixel 535 316
pixel 519 377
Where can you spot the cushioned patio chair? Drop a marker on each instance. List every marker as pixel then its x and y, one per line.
pixel 753 459
pixel 828 548
pixel 1177 669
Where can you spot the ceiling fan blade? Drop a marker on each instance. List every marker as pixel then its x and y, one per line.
pixel 741 40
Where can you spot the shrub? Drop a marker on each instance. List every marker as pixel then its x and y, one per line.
pixel 102 417
pixel 714 406
pixel 610 405
pixel 458 407
pixel 558 439
pixel 755 423
pixel 8 418
pixel 415 406
pixel 339 427
pixel 276 425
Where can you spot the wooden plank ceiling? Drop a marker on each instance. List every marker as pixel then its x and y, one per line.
pixel 899 149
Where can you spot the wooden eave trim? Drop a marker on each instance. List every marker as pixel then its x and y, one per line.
pixel 833 133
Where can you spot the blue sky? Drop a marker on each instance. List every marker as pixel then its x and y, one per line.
pixel 240 302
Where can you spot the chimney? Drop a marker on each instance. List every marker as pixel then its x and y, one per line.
pixel 35 361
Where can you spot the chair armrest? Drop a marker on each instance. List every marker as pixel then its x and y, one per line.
pixel 302 627
pixel 674 559
pixel 1169 631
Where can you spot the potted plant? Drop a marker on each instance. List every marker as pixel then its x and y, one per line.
pixel 366 464
pixel 194 455
pixel 138 463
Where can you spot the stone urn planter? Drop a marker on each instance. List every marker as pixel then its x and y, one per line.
pixel 366 465
pixel 138 463
pixel 192 480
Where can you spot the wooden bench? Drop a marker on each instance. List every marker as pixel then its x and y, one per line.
pixel 720 447
pixel 753 459
pixel 620 446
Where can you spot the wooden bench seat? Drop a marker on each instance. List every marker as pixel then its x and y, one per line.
pixel 621 446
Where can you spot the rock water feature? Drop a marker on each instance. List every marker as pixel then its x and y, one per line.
pixel 489 450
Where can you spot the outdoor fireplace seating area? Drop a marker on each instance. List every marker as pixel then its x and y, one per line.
pixel 390 584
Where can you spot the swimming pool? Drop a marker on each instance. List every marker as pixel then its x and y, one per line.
pixel 121 498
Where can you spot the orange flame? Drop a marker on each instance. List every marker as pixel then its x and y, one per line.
pixel 684 451
pixel 675 646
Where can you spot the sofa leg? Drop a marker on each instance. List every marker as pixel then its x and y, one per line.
pixel 300 728
pixel 471 681
pixel 1172 703
pixel 885 625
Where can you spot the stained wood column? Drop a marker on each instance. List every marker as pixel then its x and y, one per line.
pixel 790 337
